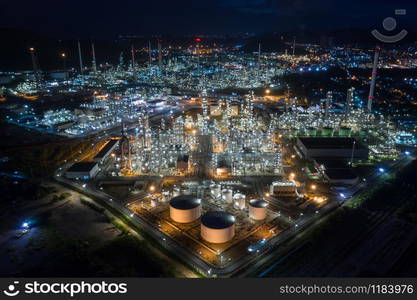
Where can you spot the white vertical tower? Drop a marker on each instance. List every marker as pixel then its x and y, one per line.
pixel 133 57
pixel 150 53
pixel 204 106
pixel 35 65
pixel 349 99
pixel 93 51
pixel 373 80
pixel 80 57
pixel 293 47
pixel 329 99
pixel 159 55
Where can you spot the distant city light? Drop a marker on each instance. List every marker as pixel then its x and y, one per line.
pixel 25 225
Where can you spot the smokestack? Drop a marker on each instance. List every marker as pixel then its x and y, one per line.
pixel 373 80
pixel 328 103
pixel 34 64
pixel 150 53
pixel 259 52
pixel 159 55
pixel 121 59
pixel 80 57
pixel 133 56
pixel 349 99
pixel 293 47
pixel 94 58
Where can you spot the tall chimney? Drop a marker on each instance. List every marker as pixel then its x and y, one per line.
pixel 293 47
pixel 329 98
pixel 373 80
pixel 133 57
pixel 80 57
pixel 94 58
pixel 349 99
pixel 150 53
pixel 159 54
pixel 34 64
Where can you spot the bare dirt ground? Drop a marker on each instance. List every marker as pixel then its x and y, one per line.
pixel 69 238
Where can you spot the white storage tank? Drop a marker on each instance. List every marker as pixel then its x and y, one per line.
pixel 217 227
pixel 184 208
pixel 227 195
pixel 165 196
pixel 176 192
pixel 258 209
pixel 215 190
pixel 239 201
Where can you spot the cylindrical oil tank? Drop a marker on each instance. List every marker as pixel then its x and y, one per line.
pixel 165 196
pixel 227 195
pixel 184 208
pixel 176 192
pixel 215 190
pixel 257 209
pixel 217 227
pixel 239 201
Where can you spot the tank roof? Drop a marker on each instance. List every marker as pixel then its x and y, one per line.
pixel 217 219
pixel 184 202
pixel 258 203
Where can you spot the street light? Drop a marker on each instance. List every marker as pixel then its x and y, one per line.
pixel 313 187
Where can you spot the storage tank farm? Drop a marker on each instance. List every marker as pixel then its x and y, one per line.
pixel 217 162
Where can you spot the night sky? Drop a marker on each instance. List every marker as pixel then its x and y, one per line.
pixel 102 19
